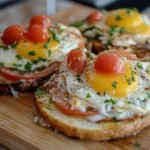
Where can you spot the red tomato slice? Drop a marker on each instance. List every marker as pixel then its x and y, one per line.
pixel 95 16
pixel 15 75
pixel 77 60
pixel 41 20
pixel 37 33
pixel 66 109
pixel 13 33
pixel 109 63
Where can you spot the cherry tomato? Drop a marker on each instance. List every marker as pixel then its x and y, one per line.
pixel 15 75
pixel 40 20
pixel 77 60
pixel 65 107
pixel 37 33
pixel 13 33
pixel 95 16
pixel 109 63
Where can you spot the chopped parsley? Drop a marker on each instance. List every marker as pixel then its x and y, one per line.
pixel 32 53
pixel 130 80
pixel 115 119
pixel 78 23
pixel 55 37
pixel 5 47
pixel 148 94
pixel 46 44
pixel 129 11
pixel 133 72
pixel 114 84
pixel 18 56
pixel 17 65
pixel 89 56
pixel 40 92
pixel 28 66
pixel 14 45
pixel 110 101
pixel 118 17
pixel 112 30
pixel 135 9
pixel 108 42
pixel 1 64
pixel 88 95
pixel 78 78
pixel 49 53
pixel 139 65
pixel 121 30
pixel 88 29
pixel 137 144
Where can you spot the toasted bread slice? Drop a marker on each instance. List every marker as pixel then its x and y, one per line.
pixel 75 126
pixel 6 85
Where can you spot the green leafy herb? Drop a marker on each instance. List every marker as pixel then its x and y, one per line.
pixel 78 23
pixel 4 47
pixel 115 119
pixel 118 17
pixel 121 30
pixel 32 53
pixel 55 37
pixel 78 78
pixel 110 101
pixel 28 66
pixel 21 72
pixel 18 56
pixel 129 11
pixel 139 65
pixel 135 9
pixel 114 84
pixel 108 42
pixel 40 92
pixel 14 44
pixel 46 44
pixel 89 56
pixel 49 53
pixel 1 64
pixel 88 95
pixel 148 94
pixel 88 29
pixel 137 144
pixel 133 72
pixel 17 65
pixel 112 30
pixel 130 80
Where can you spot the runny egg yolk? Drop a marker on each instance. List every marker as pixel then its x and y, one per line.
pixel 128 19
pixel 33 51
pixel 115 85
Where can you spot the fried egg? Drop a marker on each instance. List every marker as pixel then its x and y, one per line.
pixel 120 28
pixel 115 96
pixel 40 55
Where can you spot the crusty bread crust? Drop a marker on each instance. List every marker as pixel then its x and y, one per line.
pixel 79 127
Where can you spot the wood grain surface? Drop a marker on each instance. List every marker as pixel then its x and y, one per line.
pixel 18 131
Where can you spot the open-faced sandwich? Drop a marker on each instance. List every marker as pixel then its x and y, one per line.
pixel 29 56
pixel 97 97
pixel 121 28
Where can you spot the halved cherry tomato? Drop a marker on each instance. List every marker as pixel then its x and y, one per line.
pixel 41 20
pixel 37 33
pixel 13 33
pixel 15 75
pixel 95 16
pixel 65 107
pixel 77 60
pixel 109 63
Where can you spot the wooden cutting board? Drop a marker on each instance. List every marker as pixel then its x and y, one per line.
pixel 18 132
